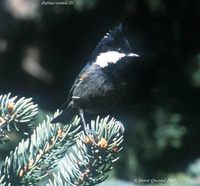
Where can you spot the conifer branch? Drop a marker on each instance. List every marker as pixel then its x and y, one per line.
pixel 83 159
pixel 14 113
pixel 31 159
pixel 1 181
pixel 92 156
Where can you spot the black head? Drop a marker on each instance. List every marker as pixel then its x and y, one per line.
pixel 113 47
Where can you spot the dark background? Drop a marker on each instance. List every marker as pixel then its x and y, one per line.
pixel 43 47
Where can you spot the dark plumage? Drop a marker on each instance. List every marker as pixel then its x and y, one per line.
pixel 99 85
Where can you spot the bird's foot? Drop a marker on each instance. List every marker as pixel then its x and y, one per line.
pixel 91 135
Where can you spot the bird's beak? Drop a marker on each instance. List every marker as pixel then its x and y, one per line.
pixel 133 55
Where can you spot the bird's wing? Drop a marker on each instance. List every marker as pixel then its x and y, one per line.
pixel 85 72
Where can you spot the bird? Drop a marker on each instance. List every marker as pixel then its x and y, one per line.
pixel 100 85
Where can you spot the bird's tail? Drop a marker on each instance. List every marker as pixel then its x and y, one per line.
pixel 65 116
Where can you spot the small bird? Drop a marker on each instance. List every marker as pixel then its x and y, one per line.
pixel 100 84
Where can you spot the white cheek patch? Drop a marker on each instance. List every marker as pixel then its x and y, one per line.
pixel 111 57
pixel 108 57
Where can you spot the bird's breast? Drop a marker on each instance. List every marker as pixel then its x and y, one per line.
pixel 98 93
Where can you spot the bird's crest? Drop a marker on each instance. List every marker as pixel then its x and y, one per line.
pixel 114 40
pixel 116 32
